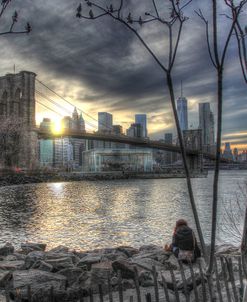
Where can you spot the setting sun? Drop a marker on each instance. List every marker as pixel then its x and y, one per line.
pixel 57 127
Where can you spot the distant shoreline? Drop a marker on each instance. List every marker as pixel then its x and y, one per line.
pixel 32 178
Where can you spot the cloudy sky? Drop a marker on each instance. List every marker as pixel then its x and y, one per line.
pixel 100 66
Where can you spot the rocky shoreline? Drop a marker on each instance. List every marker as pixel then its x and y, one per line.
pixel 75 274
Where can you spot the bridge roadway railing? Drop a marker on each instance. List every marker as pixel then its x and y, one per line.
pixel 139 142
pixel 121 138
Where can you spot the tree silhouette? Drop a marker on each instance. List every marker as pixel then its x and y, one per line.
pixel 173 21
pixel 4 6
pixel 217 51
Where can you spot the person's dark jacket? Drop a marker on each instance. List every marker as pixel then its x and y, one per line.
pixel 184 238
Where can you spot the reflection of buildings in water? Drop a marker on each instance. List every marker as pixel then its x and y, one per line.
pixel 134 160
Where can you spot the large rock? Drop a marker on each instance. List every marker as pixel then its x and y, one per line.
pixel 128 250
pixel 33 257
pixel 100 272
pixel 7 249
pixel 43 266
pixel 60 263
pixel 12 265
pixel 148 263
pixel 171 263
pixel 19 256
pixel 88 260
pixel 227 249
pixel 30 246
pixel 159 255
pixel 126 268
pixel 150 248
pixel 58 255
pixel 5 276
pixel 72 274
pixel 37 280
pixel 59 249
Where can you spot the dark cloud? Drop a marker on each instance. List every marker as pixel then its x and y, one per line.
pixel 101 64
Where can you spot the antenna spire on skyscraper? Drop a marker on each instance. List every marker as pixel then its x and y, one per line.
pixel 181 88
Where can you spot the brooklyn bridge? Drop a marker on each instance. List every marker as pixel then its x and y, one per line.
pixel 19 97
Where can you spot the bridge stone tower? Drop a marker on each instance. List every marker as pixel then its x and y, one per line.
pixel 17 109
pixel 193 141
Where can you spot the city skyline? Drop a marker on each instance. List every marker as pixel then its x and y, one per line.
pixel 117 79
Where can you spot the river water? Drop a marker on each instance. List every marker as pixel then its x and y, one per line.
pixel 92 214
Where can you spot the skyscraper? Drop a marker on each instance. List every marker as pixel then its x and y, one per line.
pixel 104 122
pixel 169 156
pixel 228 151
pixel 135 130
pixel 182 113
pixel 206 124
pixel 142 120
pixel 168 138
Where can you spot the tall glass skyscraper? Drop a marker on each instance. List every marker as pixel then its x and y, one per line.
pixel 182 113
pixel 104 122
pixel 142 120
pixel 206 123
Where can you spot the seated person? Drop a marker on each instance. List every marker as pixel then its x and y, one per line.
pixel 184 245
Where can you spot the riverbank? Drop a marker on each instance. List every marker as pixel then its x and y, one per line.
pixel 69 275
pixel 27 178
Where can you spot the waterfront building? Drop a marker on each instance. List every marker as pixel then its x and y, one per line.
pixel 105 122
pixel 127 160
pixel 142 120
pixel 227 154
pixel 206 124
pixel 182 113
pixel 46 152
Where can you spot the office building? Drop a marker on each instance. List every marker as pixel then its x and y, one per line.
pixel 227 153
pixel 118 130
pixel 104 122
pixel 182 113
pixel 206 124
pixel 169 157
pixel 46 152
pixel 46 124
pixel 142 120
pixel 135 130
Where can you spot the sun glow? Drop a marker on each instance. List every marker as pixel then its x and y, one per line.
pixel 57 127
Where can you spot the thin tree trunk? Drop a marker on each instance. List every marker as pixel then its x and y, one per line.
pixel 244 244
pixel 216 169
pixel 186 168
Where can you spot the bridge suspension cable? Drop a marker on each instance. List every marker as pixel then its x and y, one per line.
pixel 48 108
pixel 40 94
pixel 71 104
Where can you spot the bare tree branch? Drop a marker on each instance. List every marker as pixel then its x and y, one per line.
pixel 218 62
pixel 27 29
pixel 200 14
pixel 155 7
